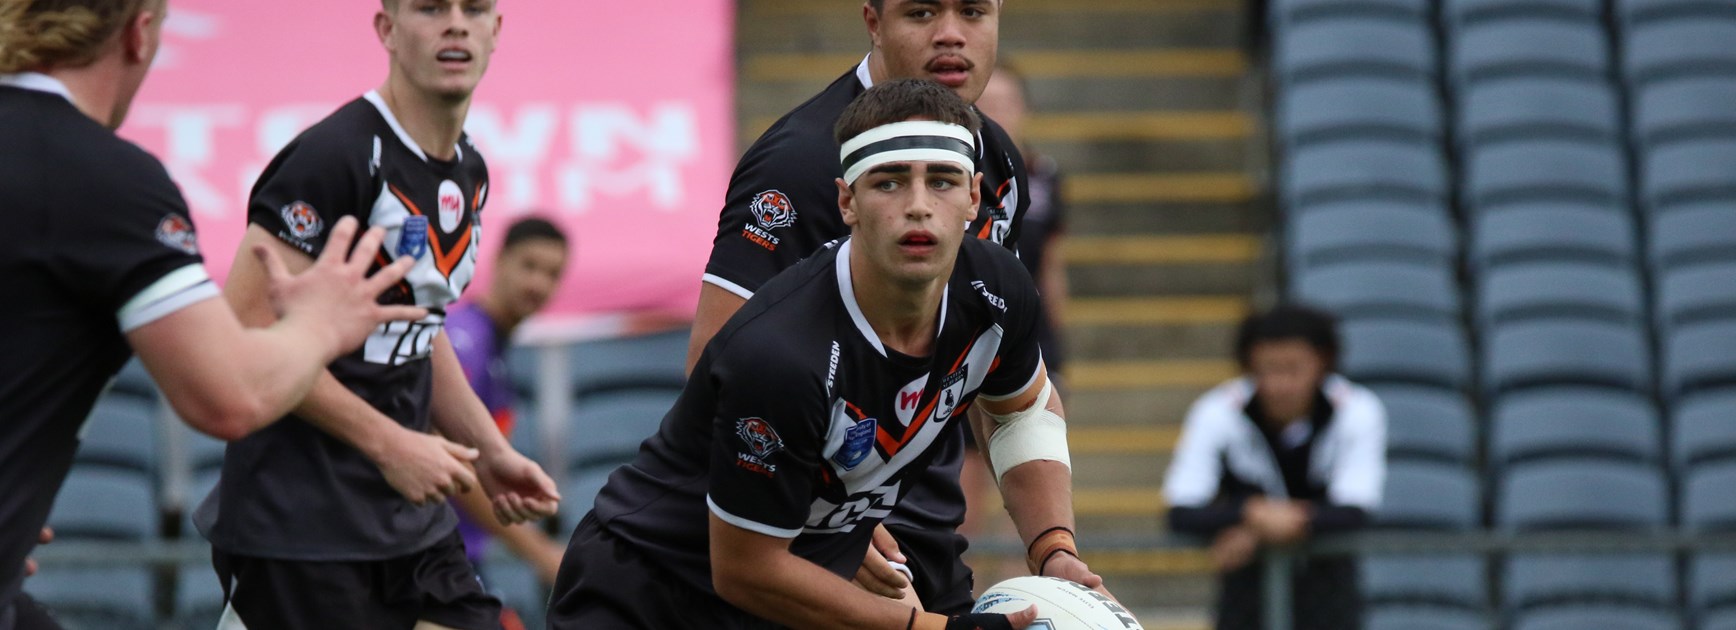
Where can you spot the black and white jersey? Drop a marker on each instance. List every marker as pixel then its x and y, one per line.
pixel 782 206
pixel 102 244
pixel 290 491
pixel 798 423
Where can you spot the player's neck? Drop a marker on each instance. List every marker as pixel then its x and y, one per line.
pixel 95 90
pixel 904 317
pixel 434 123
pixel 504 319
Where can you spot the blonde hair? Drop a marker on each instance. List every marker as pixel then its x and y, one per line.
pixel 41 34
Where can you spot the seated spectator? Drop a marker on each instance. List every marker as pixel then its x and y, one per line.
pixel 1287 451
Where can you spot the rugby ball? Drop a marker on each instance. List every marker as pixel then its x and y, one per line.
pixel 1061 605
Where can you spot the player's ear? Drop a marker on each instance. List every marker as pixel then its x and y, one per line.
pixel 846 202
pixel 383 28
pixel 139 37
pixel 976 195
pixel 871 19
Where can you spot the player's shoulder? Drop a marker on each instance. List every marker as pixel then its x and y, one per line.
pixel 1221 408
pixel 1353 403
pixel 792 304
pixel 807 130
pixel 993 265
pixel 351 130
pixel 996 140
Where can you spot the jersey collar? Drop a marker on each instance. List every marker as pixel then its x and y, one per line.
pixel 862 73
pixel 847 293
pixel 38 82
pixel 373 96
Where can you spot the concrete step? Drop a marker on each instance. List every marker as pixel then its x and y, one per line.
pixel 1155 311
pixel 1161 250
pixel 1148 374
pixel 1094 471
pixel 1135 279
pixel 1177 218
pixel 1125 406
pixel 1213 187
pixel 1204 341
pixel 824 26
pixel 1141 439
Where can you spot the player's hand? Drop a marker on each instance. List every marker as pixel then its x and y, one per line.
pixel 1069 567
pixel 518 488
pixel 877 575
pixel 992 621
pixel 1234 548
pixel 427 468
pixel 1277 522
pixel 336 291
pixel 43 538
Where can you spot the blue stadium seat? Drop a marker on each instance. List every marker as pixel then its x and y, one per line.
pixel 198 598
pixel 1326 172
pixel 1684 109
pixel 1712 583
pixel 1703 429
pixel 578 493
pixel 1429 495
pixel 1533 107
pixel 1359 107
pixel 1447 580
pixel 1604 617
pixel 1631 12
pixel 1720 619
pixel 134 380
pixel 1533 580
pixel 656 361
pixel 1565 351
pixel 1708 503
pixel 1371 230
pixel 1693 233
pixel 105 504
pixel 1559 289
pixel 1283 13
pixel 1406 351
pixel 1690 170
pixel 1424 618
pixel 1665 49
pixel 608 428
pixel 1354 46
pixel 1428 423
pixel 1553 230
pixel 121 432
pixel 1699 356
pixel 1581 493
pixel 1528 47
pixel 1459 13
pixel 1545 169
pixel 1574 422
pixel 516 585
pixel 1374 289
pixel 93 598
pixel 1688 294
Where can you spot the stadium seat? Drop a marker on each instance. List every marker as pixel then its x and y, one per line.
pixel 578 494
pixel 1683 109
pixel 1459 13
pixel 1341 170
pixel 1428 423
pixel 1708 502
pixel 121 432
pixel 1406 351
pixel 1371 230
pixel 1712 582
pixel 1359 107
pixel 1429 495
pixel 1283 13
pixel 1703 429
pixel 1688 294
pixel 1603 617
pixel 1664 49
pixel 1545 169
pixel 1581 493
pixel 1527 47
pixel 1565 351
pixel 1551 579
pixel 134 380
pixel 1518 291
pixel 1532 107
pixel 1448 580
pixel 608 428
pixel 1424 618
pixel 97 598
pixel 1552 230
pixel 1374 289
pixel 1631 12
pixel 198 598
pixel 1689 171
pixel 656 361
pixel 1699 356
pixel 1693 233
pixel 1354 46
pixel 203 452
pixel 105 504
pixel 516 585
pixel 1574 422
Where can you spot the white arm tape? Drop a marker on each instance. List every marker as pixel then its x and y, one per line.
pixel 1029 435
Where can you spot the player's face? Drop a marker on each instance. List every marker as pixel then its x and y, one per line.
pixel 952 42
pixel 1005 103
pixel 527 274
pixel 1286 373
pixel 909 217
pixel 441 46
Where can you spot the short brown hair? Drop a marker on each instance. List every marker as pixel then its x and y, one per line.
pixel 901 100
pixel 42 34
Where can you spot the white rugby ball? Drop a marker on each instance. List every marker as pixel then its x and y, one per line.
pixel 1061 605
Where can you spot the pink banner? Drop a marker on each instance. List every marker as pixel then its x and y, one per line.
pixel 615 120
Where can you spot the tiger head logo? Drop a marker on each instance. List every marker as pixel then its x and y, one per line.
pixel 772 210
pixel 761 439
pixel 302 220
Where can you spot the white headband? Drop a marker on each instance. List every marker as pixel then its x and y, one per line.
pixel 909 141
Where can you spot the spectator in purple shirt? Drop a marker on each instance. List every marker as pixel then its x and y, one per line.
pixel 526 273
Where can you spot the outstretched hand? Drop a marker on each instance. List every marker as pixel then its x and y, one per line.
pixel 517 487
pixel 336 290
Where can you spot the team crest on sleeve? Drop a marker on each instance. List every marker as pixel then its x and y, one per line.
pixel 759 436
pixel 858 443
pixel 773 210
pixel 413 237
pixel 301 219
pixel 177 232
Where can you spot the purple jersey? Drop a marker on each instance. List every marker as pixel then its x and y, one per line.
pixel 481 351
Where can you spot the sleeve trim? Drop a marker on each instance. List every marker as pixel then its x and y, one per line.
pixel 1022 388
pixel 716 281
pixel 750 525
pixel 174 291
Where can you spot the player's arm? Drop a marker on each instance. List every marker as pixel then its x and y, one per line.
pixel 757 573
pixel 516 486
pixel 716 306
pixel 524 540
pixel 420 466
pixel 227 380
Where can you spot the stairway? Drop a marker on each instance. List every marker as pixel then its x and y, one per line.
pixel 1142 102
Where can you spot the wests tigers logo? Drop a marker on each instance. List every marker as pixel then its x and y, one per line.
pixel 773 210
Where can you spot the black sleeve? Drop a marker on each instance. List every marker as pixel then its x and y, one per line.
pixel 1337 518
pixel 1020 353
pixel 312 183
pixel 1206 520
pixel 124 248
pixel 766 442
pixel 782 205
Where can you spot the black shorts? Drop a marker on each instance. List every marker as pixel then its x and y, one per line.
pixel 605 582
pixel 23 613
pixel 943 582
pixel 436 585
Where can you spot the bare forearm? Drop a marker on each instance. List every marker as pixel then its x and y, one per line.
pixel 797 593
pixel 1039 497
pixel 334 409
pixel 457 412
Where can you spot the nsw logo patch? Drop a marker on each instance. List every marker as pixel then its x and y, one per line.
pixel 177 232
pixel 301 219
pixel 413 237
pixel 858 443
pixel 759 436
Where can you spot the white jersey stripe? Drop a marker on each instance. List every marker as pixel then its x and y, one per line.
pixel 174 291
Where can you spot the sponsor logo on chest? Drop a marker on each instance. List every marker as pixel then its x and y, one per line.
pixel 451 205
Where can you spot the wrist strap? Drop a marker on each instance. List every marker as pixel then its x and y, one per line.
pixel 1052 541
